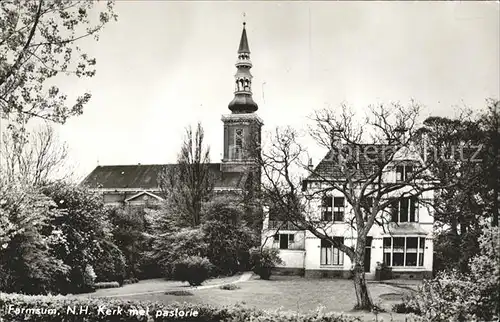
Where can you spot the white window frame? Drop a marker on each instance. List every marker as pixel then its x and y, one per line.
pixel 331 256
pixel 410 200
pixel 338 209
pixel 290 240
pixel 403 175
pixel 420 251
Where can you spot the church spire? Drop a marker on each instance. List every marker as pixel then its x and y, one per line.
pixel 243 102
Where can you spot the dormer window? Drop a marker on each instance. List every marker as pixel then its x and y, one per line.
pixel 403 172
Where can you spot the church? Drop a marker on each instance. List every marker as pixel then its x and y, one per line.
pixel 405 244
pixel 138 185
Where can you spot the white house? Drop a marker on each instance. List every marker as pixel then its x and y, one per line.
pixel 403 242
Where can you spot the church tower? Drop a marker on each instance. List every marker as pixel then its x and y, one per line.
pixel 242 128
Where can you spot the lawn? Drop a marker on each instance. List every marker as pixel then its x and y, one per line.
pixel 288 293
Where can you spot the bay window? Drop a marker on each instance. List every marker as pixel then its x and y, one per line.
pixel 404 251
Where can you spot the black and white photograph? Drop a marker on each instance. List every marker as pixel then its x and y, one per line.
pixel 333 161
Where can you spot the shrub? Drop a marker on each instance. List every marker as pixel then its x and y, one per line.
pixel 132 280
pixel 169 248
pixel 452 296
pixel 194 270
pixel 157 312
pixel 229 287
pixel 89 277
pixel 264 260
pixel 407 306
pixel 228 238
pixel 107 285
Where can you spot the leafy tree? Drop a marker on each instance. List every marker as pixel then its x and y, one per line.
pixel 189 183
pixel 359 177
pixel 84 227
pixel 490 124
pixel 128 230
pixel 227 236
pixel 39 40
pixel 172 246
pixel 26 264
pixel 461 154
pixel 110 264
pixel 161 225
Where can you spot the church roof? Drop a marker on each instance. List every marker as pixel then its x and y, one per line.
pixel 146 177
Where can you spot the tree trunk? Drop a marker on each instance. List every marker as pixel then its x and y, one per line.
pixel 364 302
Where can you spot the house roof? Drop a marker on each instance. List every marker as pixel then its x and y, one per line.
pixel 146 177
pixel 366 158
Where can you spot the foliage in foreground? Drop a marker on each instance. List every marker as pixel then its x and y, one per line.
pixel 156 311
pixel 452 296
pixel 26 263
pixel 54 239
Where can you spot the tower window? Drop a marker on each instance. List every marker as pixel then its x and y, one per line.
pixel 238 143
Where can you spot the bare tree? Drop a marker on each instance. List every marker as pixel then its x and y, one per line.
pixel 189 183
pixel 35 156
pixel 360 154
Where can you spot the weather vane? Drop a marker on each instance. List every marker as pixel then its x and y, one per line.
pixel 244 15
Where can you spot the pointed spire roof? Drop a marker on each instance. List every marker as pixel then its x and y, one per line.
pixel 243 101
pixel 243 42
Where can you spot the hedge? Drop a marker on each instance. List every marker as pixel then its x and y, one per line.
pixel 17 307
pixel 107 285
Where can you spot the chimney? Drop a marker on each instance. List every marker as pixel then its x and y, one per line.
pixel 335 135
pixel 401 134
pixel 310 164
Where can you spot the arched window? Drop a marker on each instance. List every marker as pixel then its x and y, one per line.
pixel 238 143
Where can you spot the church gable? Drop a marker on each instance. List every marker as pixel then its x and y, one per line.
pixel 143 197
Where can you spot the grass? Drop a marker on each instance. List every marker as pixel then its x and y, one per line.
pixel 288 293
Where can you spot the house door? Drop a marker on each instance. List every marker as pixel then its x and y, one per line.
pixel 283 241
pixel 368 254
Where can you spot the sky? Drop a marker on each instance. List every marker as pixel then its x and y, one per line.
pixel 166 65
